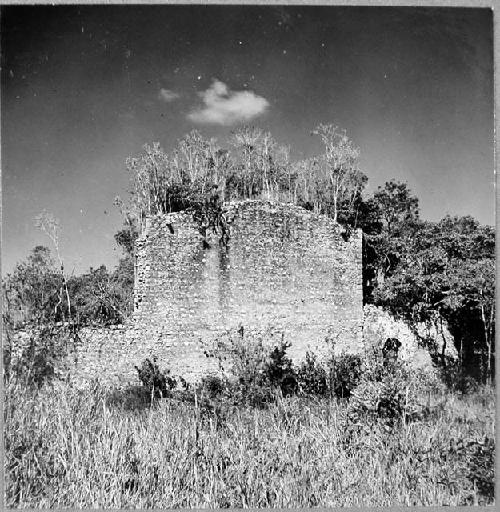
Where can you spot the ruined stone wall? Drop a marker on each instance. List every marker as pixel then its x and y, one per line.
pixel 283 269
pixel 419 345
pixel 104 353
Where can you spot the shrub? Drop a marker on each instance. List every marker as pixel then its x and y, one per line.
pixel 213 386
pixel 398 392
pixel 344 374
pixel 384 398
pixel 255 372
pixel 251 386
pixel 375 366
pixel 456 378
pixel 159 383
pixel 482 467
pixel 40 360
pixel 279 371
pixel 312 377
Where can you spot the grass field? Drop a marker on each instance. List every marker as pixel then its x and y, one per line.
pixel 69 448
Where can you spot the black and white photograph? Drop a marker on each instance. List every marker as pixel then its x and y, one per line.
pixel 248 255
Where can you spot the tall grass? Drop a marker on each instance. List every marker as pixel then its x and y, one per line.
pixel 91 448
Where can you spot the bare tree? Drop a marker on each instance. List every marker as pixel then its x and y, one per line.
pixel 50 226
pixel 246 141
pixel 339 161
pixel 309 182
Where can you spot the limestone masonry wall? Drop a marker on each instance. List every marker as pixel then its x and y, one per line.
pixel 283 269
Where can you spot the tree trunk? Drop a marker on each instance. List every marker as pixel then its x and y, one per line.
pixel 335 213
pixel 487 341
pixel 65 284
pixel 440 329
pixel 461 351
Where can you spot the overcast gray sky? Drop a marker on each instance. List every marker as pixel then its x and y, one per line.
pixel 85 87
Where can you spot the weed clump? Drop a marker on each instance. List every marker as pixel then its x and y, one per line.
pixel 312 377
pixel 40 359
pixel 388 388
pixel 159 383
pixel 254 373
pixel 481 467
pixel 344 374
pixel 456 378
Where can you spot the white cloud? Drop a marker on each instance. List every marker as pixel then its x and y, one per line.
pixel 222 106
pixel 168 95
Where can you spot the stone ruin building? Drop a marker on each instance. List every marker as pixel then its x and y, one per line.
pixel 282 271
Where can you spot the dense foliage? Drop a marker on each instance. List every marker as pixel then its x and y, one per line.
pixel 430 271
pixel 33 293
pixel 199 171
